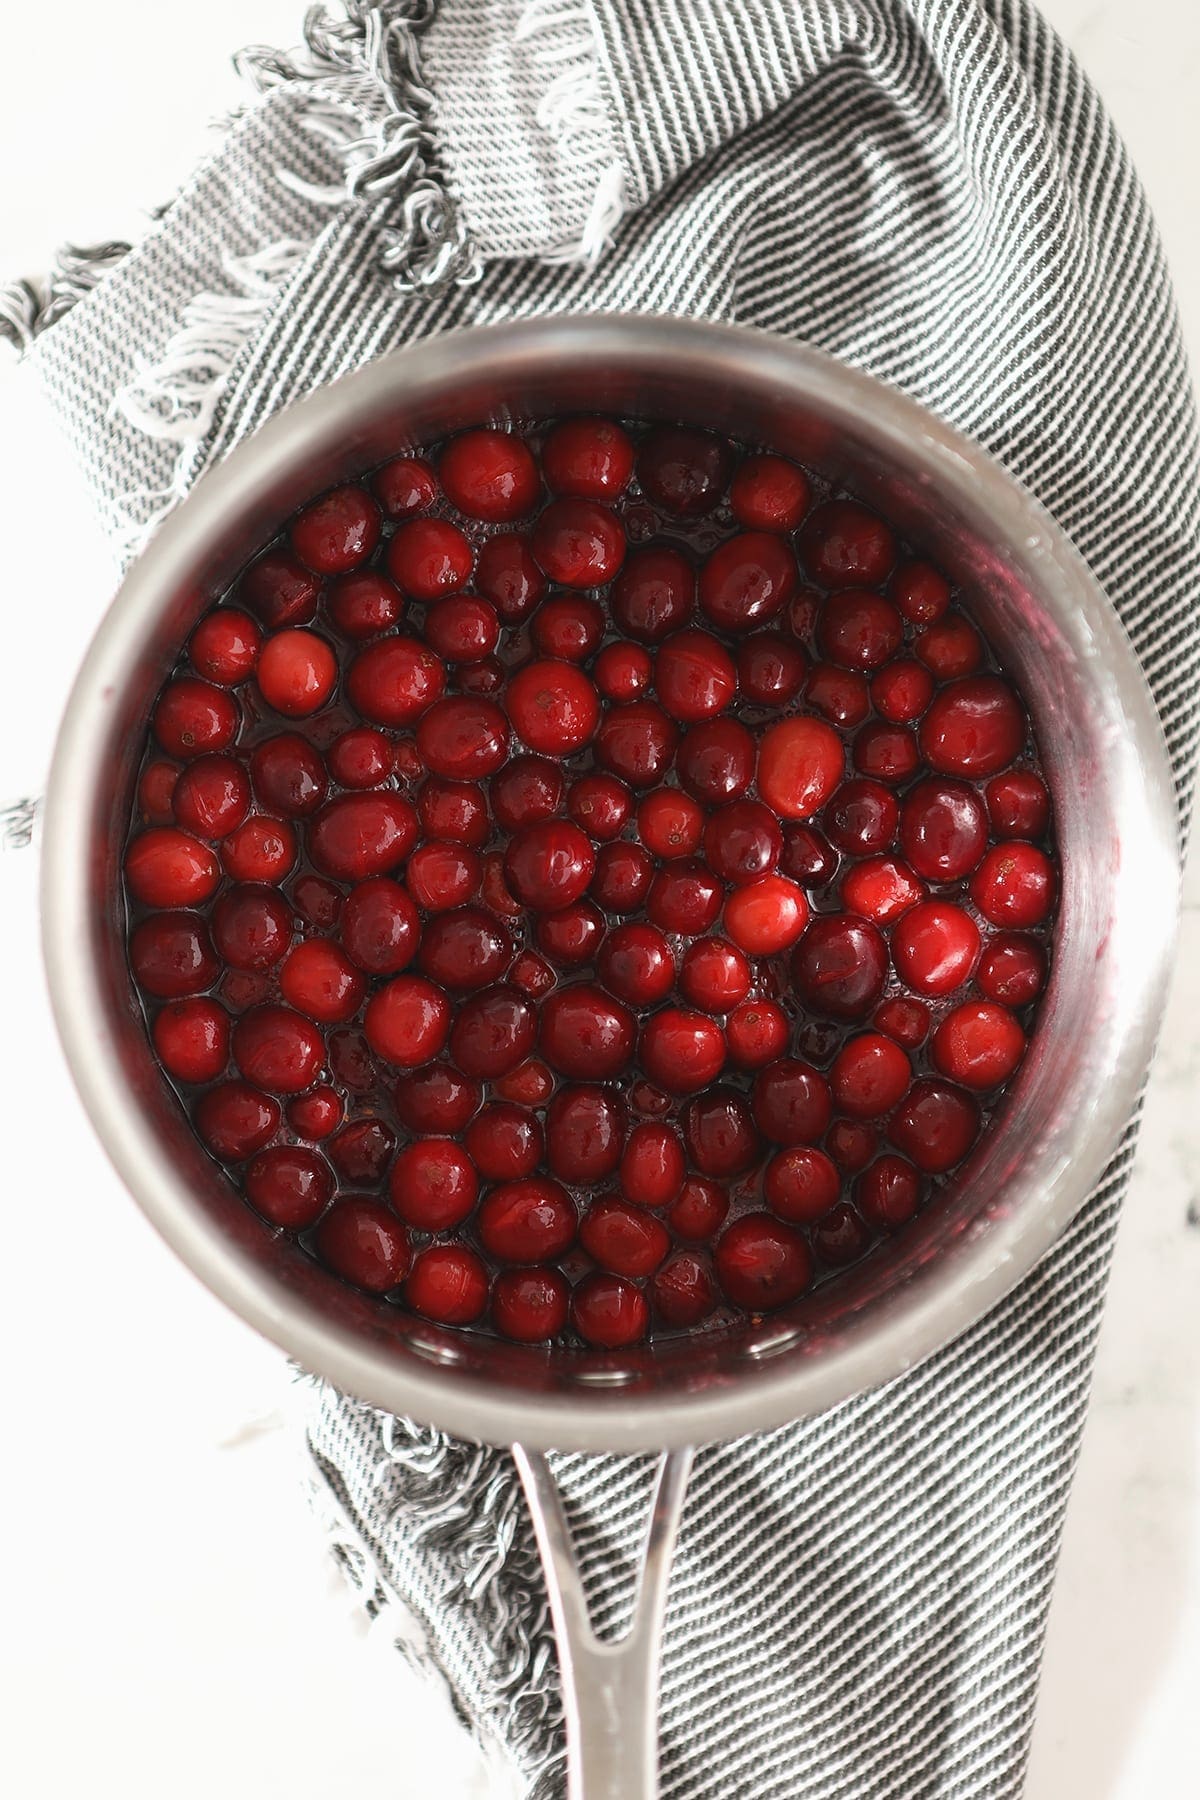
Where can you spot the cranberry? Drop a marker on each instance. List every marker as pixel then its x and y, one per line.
pixel 623 671
pixel 585 1034
pixel 903 1019
pixel 699 1209
pixel 716 760
pixel 570 936
pixel 791 1102
pixel 901 691
pixel 336 532
pixel 585 1134
pixel 743 841
pixel 801 1185
pixel 609 1311
pixel 554 708
pixel 507 575
pixel 1015 885
pixel 851 1143
pixel 648 1101
pixel 636 742
pixel 359 835
pixel 191 1038
pixel 888 1192
pixel 577 543
pixel 277 1049
pixel 505 1142
pixel 260 849
pixel 766 916
pixel 951 649
pixel 433 1184
pixel 1018 804
pixel 1012 970
pixel 361 1151
pixel 494 890
pixel 635 963
pixel 935 947
pixel 682 1051
pixel 756 1033
pixel 171 955
pixel 530 1305
pixel 684 897
pixel 683 470
pixel 463 737
pixel 654 594
pixel 392 681
pixel 549 864
pixel 870 1075
pixel 350 1061
pixel 407 1022
pixel 858 630
pixel 840 695
pixel 428 558
pixel 224 647
pixel 192 717
pixel 462 629
pixel 807 857
pixel 719 1130
pixel 800 763
pixel 589 459
pixel 279 590
pixel 453 809
pixel 769 494
pixel 761 1263
pixel 694 676
pixel 571 626
pixel 839 966
pixel 684 1291
pixel 363 1242
pixel 801 613
pixel 770 669
pixel 861 817
pixel 652 1165
pixel 318 978
pixel 166 867
pixel 315 1114
pixel 943 829
pixel 714 974
pixel 317 901
pixel 296 673
pixel 841 1237
pixel 936 1126
pixel 492 1033
pixel 404 486
pixel 623 1238
pixel 156 791
pixel 289 1185
pixel 973 727
pixel 845 545
pixel 490 475
pixel 526 1221
pixel 533 974
pixel 251 927
pixel 448 1284
pixel 288 775
pixel 670 824
pixel 747 580
pixel 235 1120
pixel 920 592
pixel 531 1083
pixel 379 927
pixel 978 1045
pixel 437 1099
pixel 886 753
pixel 881 889
pixel 600 804
pixel 441 876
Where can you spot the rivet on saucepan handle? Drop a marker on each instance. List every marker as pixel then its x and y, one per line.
pixel 610 1690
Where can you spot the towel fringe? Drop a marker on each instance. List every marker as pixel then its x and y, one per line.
pixel 27 308
pixel 17 822
pixel 573 113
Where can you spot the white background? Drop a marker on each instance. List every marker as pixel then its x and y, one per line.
pixel 170 1620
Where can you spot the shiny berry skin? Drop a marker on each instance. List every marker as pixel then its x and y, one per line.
pixel 251 927
pixel 570 626
pixel 448 1284
pixel 533 974
pixel 905 1020
pixel 861 817
pixel 888 1192
pixel 600 804
pixel 588 459
pixel 623 671
pixel 1018 804
pixel 801 1185
pixel 694 676
pixel 609 1312
pixel 973 727
pixel 571 936
pixel 277 1049
pixel 714 975
pixel 654 595
pixel 358 835
pixel 577 543
pixel 685 897
pixel 766 916
pixel 851 1143
pixel 839 966
pixel 526 1221
pixel 531 1083
pixel 462 629
pixel 288 775
pixel 951 649
pixel 507 575
pixel 670 823
pixel 407 1022
pixel 743 841
pixel 769 494
pixel 756 1032
pixel 715 761
pixel 791 1102
pixel 936 1126
pixel 920 593
pixel 428 558
pixel 171 955
pixel 886 753
pixel 585 1133
pixel 636 743
pixel 289 1185
pixel 235 1120
pixel 490 475
pixel 336 532
pixel 699 1209
pixel 317 901
pixel 441 876
pixel 762 1263
pixel 624 1239
pixel 455 810
pixel 880 889
pixel 770 669
pixel 404 486
pixel 978 1045
pixel 192 718
pixel 529 1306
pixel 156 791
pixel 296 673
pixel 166 867
pixel 364 604
pixel 505 1142
pixel 360 758
pixel 935 947
pixel 635 963
pixel 720 1134
pixel 279 591
pixel 683 1291
pixel 463 738
pixel 316 1114
pixel 433 1185
pixel 869 1075
pixel 800 763
pixel 1012 970
pixel 840 695
pixel 901 691
pixel 807 857
pixel 436 1098
pixel 494 890
pixel 747 580
pixel 682 1051
pixel 364 1243
pixel 841 1237
pixel 361 1151
pixel 845 545
pixel 683 471
pixel 393 680
pixel 493 1032
pixel 224 647
pixel 549 864
pixel 379 927
pixel 857 630
pixel 191 1039
pixel 585 1034
pixel 553 707
pixel 1015 886
pixel 943 829
pixel 319 980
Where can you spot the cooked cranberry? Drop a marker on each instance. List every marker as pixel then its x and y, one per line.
pixel 279 590
pixel 317 901
pixel 156 791
pixel 682 470
pixel 840 695
pixel 364 1243
pixel 318 978
pixel 453 809
pixel 839 966
pixel 719 1130
pixel 504 1142
pixel 494 889
pixel 589 459
pixel 652 1165
pixel 761 1263
pixel 361 1151
pixel 669 823
pixel 277 1049
pixel 943 829
pixel 571 626
pixel 623 876
pixel 716 760
pixel 684 897
pixel 577 543
pixel 251 927
pixel 766 916
pixel 350 1061
pixel 288 775
pixel 364 604
pixel 531 1083
pixel 635 963
pixel 769 494
pixel 554 708
pixel 936 1126
pixel 870 1075
pixel 336 532
pixel 527 1221
pixel 845 545
pixel 648 1101
pixel 747 580
pixel 694 676
pixel 951 649
pixel 886 753
pixel 920 592
pixel 404 486
pixel 296 673
pixel 392 681
pixel 852 1144
pixel 901 691
pixel 428 558
pixel 742 841
pixel 462 629
pixel 166 867
pixel 841 1237
pixel 714 974
pixel 235 1119
pixel 572 935
pixel 800 763
pixel 1015 885
pixel 260 849
pixel 407 1022
pixel 549 864
pixel 600 804
pixel 440 876
pixel 433 1184
pixel 903 1019
pixel 586 1034
pixel 973 727
pixel 623 671
pixel 770 669
pixel 436 1099
pixel 492 1033
pixel 315 1114
pixel 1018 804
pixel 358 835
pixel 463 738
pixel 682 1051
pixel 530 1305
pixel 585 1134
pixel 858 630
pixel 508 576
pixel 532 974
pixel 756 1033
pixel 171 955
pixel 192 717
pixel 888 1192
pixel 448 1284
pixel 635 742
pixel 978 1045
pixel 801 1185
pixel 224 647
pixel 608 1311
pixel 654 594
pixel 935 947
pixel 880 889
pixel 791 1102
pixel 699 1209
pixel 490 475
pixel 801 612
pixel 1012 970
pixel 683 1290
pixel 289 1185
pixel 861 817
pixel 379 927
pixel 623 1238
pixel 807 857
pixel 192 1039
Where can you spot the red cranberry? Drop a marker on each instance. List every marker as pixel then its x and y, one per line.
pixel 841 1237
pixel 870 1075
pixel 251 927
pixel 770 669
pixel 351 1063
pixel 549 864
pixel 428 558
pixel 315 1114
pixel 600 804
pixel 433 1184
pixel 277 1049
pixel 1015 885
pixel 682 1051
pixel 530 1305
pixel 448 1284
pixel 336 532
pixel 360 758
pixel 670 824
pixel 156 791
pixel 654 594
pixel 585 1134
pixel 636 743
pixel 905 1020
pixel 165 867
pixel 840 695
pixel 880 889
pixel 260 849
pixel 455 810
pixel 800 763
pixel 279 590
pixel 694 676
pixel 845 545
pixel 623 1238
pixel 577 543
pixel 296 673
pixel 404 486
pixel 494 890
pixel 920 592
pixel 531 1083
pixel 889 1192
pixel 407 1022
pixel 716 760
pixel 1012 970
pixel 362 1241
pixel 886 753
pixel 235 1120
pixel 1018 804
pixel 505 1142
pixel 861 817
pixel 364 603
pixel 761 1263
pixel 554 708
pixel 589 459
pixel 936 1126
pixel 508 576
pixel 585 1034
pixel 943 829
pixel 756 1033
pixel 857 630
pixel 801 613
pixel 683 470
pixel 791 1102
pixel 288 775
pixel 851 1144
pixel 935 947
pixel 901 691
pixel 839 966
pixel 714 975
pixel 171 955
pixel 608 1311
pixel 684 897
pixel 492 1033
pixel 191 1038
pixel 527 1221
pixel 441 876
pixel 978 1045
pixel 572 935
pixel 317 901
pixel 766 916
pixel 622 879
pixel 318 978
pixel 359 835
pixel 224 646
pixel 379 927
pixel 747 580
pixel 801 1185
pixel 192 717
pixel 807 857
pixel 635 963
pixel 652 1165
pixel 463 738
pixel 462 629
pixel 718 1128
pixel 699 1209
pixel 392 681
pixel 974 727
pixel 951 649
pixel 289 1185
pixel 684 1291
pixel 361 1151
pixel 648 1101
pixel 743 841
pixel 571 626
pixel 769 494
pixel 490 475
pixel 532 973
pixel 623 671
pixel 436 1099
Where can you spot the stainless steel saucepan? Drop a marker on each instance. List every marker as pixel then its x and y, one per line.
pixel 1107 767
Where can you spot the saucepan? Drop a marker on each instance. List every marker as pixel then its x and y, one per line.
pixel 1107 767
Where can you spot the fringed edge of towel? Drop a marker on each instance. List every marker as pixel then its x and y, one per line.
pixel 27 308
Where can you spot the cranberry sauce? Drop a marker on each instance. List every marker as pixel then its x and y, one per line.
pixel 589 882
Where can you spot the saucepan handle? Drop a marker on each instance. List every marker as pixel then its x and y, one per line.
pixel 610 1690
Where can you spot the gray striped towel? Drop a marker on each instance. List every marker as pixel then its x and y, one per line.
pixel 927 188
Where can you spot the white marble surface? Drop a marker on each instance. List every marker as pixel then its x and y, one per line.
pixel 170 1621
